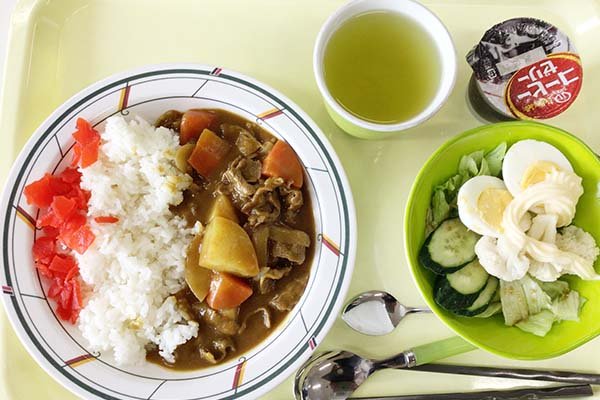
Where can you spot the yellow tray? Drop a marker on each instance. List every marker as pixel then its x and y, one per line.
pixel 58 47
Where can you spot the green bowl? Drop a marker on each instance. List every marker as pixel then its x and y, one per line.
pixel 491 334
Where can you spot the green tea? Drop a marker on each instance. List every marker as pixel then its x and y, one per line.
pixel 382 67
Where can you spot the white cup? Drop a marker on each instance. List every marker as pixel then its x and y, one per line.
pixel 422 16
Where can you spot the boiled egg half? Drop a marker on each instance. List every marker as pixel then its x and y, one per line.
pixel 481 203
pixel 528 162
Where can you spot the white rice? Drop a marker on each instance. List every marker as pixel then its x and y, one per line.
pixel 134 265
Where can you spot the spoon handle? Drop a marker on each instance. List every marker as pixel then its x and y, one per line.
pixel 514 373
pixel 427 353
pixel 417 310
pixel 517 394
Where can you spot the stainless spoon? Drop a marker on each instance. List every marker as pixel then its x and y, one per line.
pixel 335 375
pixel 376 313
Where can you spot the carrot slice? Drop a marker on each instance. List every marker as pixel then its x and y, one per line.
pixel 59 186
pixel 193 123
pixel 64 299
pixel 62 207
pixel 85 134
pixel 210 150
pixel 77 300
pixel 72 273
pixel 43 270
pixel 89 154
pixel 49 219
pixel 76 155
pixel 70 225
pixel 39 193
pixel 62 264
pixel 70 175
pixel 87 143
pixel 50 231
pixel 106 219
pixel 55 288
pixel 227 291
pixel 44 249
pixel 79 239
pixel 283 162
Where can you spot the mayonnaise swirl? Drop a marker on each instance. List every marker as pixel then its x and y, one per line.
pixel 520 253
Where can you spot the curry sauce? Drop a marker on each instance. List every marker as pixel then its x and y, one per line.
pixel 228 333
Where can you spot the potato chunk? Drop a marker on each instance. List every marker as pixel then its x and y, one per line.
pixel 227 248
pixel 197 277
pixel 198 280
pixel 222 207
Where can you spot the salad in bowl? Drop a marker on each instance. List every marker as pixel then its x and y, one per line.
pixel 502 235
pixel 501 238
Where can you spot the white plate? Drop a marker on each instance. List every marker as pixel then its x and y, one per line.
pixel 59 347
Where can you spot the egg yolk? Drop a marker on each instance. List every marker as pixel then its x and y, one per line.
pixel 537 172
pixel 491 204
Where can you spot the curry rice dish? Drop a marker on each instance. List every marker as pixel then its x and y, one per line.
pixel 212 243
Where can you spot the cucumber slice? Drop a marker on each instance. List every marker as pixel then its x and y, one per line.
pixel 486 295
pixel 428 263
pixel 496 298
pixel 492 309
pixel 469 279
pixel 448 248
pixel 483 300
pixel 449 299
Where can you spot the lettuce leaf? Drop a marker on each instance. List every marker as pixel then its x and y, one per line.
pixel 537 299
pixel 443 199
pixel 566 308
pixel 539 324
pixel 469 164
pixel 439 207
pixel 495 157
pixel 554 289
pixel 533 306
pixel 514 302
pixel 484 169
